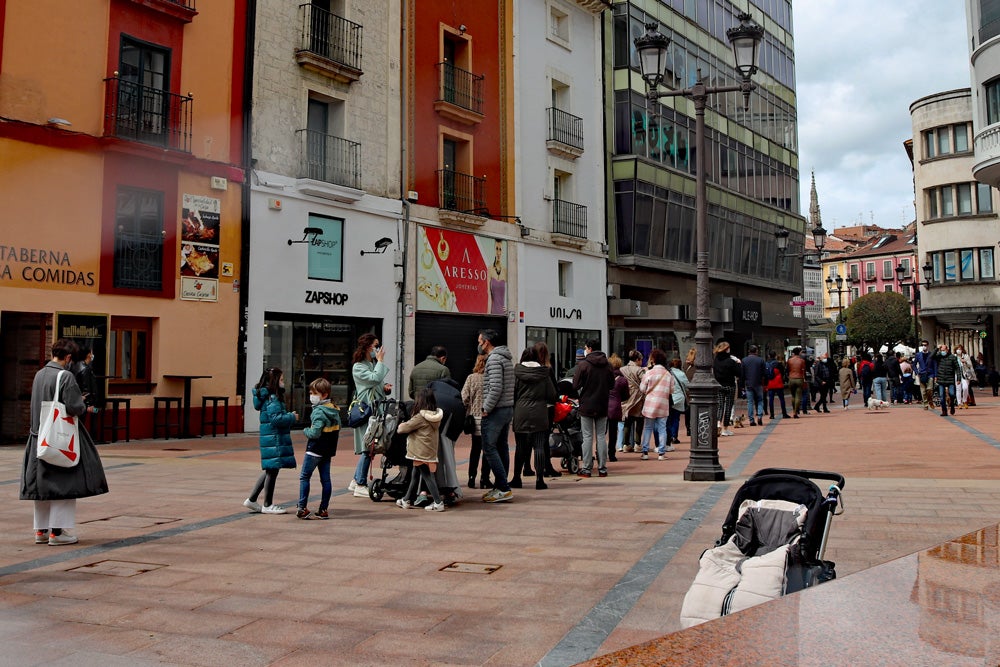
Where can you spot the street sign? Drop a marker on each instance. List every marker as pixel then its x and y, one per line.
pixel 802 303
pixel 841 330
pixel 841 336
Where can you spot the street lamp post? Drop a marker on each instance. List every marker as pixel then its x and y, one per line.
pixel 839 292
pixel 917 284
pixel 652 47
pixel 819 240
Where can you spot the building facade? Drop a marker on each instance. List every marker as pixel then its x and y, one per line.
pixel 121 160
pixel 752 172
pixel 559 151
pixel 957 226
pixel 325 260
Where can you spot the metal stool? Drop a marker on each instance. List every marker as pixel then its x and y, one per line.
pixel 166 423
pixel 215 421
pixel 111 412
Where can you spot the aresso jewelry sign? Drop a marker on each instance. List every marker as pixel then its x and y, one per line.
pixel 461 273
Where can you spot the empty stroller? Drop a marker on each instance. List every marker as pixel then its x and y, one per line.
pixel 772 543
pixel 566 438
pixel 383 441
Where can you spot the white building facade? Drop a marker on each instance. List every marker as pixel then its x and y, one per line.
pixel 559 181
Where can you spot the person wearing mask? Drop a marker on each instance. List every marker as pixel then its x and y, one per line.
pixel 796 379
pixel 847 384
pixel 949 372
pixel 822 379
pixel 678 403
pixel 968 374
pixel 753 381
pixel 727 373
pixel 83 371
pixel 631 427
pixel 617 398
pixel 880 378
pixel 925 372
pixel 430 369
pixel 533 393
pixel 369 371
pixel 658 387
pixel 592 381
pixel 472 398
pixel 498 410
pixel 906 380
pixel 895 379
pixel 775 384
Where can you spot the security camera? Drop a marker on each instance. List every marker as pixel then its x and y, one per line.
pixel 411 196
pixel 462 27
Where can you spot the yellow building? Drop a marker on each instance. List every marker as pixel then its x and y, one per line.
pixel 120 145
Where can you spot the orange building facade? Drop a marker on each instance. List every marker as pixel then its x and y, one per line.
pixel 120 154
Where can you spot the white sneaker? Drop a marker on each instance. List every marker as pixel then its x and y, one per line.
pixel 251 505
pixel 62 538
pixel 669 448
pixel 726 432
pixel 435 507
pixel 360 491
pixel 273 509
pixel 353 485
pixel 405 504
pixel 661 457
pixel 644 457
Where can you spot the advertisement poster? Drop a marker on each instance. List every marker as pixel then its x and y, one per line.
pixel 461 273
pixel 90 329
pixel 200 218
pixel 326 250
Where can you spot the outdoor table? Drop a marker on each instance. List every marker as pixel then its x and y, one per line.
pixel 186 406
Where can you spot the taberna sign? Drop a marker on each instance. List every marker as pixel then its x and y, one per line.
pixel 328 298
pixel 746 315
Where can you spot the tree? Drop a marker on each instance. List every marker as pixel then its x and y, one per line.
pixel 879 318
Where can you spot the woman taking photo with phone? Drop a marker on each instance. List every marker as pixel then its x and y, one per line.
pixel 369 373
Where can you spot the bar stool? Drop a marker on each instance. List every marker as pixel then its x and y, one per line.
pixel 215 421
pixel 166 423
pixel 111 412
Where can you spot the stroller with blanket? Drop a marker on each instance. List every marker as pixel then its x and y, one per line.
pixel 566 438
pixel 772 543
pixel 381 440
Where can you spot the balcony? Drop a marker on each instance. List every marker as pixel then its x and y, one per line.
pixel 565 136
pixel 147 115
pixel 182 10
pixel 330 167
pixel 987 146
pixel 461 198
pixel 569 223
pixel 329 45
pixel 460 94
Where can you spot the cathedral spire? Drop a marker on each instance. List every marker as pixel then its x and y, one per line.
pixel 815 219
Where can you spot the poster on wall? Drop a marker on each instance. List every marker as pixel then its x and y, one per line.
pixel 326 250
pixel 461 273
pixel 90 329
pixel 200 231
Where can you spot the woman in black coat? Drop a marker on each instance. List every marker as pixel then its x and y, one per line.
pixel 726 372
pixel 53 489
pixel 533 393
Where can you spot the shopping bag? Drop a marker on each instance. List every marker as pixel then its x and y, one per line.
pixel 58 433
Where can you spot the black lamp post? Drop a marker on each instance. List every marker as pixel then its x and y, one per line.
pixel 652 48
pixel 819 240
pixel 840 292
pixel 900 276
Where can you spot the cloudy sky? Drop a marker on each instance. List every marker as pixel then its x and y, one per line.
pixel 859 66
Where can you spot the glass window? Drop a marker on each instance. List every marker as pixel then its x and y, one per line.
pixel 871 289
pixel 950 261
pixel 129 354
pixel 139 239
pixel 943 141
pixel 936 262
pixel 961 138
pixel 986 271
pixel 888 288
pixel 964 191
pixel 932 203
pixel 968 270
pixel 869 270
pixel 905 263
pixel 855 272
pixel 887 269
pixel 565 278
pixel 947 201
pixel 992 90
pixel 984 198
pixel 930 145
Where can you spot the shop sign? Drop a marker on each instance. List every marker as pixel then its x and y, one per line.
pixel 328 298
pixel 50 268
pixel 556 312
pixel 461 273
pixel 199 289
pixel 326 250
pixel 87 328
pixel 746 315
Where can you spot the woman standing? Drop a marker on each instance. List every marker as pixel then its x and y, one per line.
pixel 689 370
pixel 678 404
pixel 54 490
pixel 617 397
pixel 631 426
pixel 968 373
pixel 369 374
pixel 533 393
pixel 657 386
pixel 726 370
pixel 847 385
pixel 472 398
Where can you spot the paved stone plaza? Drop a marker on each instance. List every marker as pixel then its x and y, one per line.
pixel 171 569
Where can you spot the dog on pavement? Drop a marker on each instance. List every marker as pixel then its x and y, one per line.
pixel 876 404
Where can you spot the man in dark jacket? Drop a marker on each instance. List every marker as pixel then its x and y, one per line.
pixel 592 381
pixel 895 377
pixel 948 371
pixel 925 369
pixel 753 382
pixel 498 410
pixel 822 379
pixel 430 369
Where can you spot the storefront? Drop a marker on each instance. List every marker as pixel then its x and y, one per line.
pixel 461 288
pixel 563 302
pixel 318 280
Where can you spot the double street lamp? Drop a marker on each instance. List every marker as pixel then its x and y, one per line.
pixel 840 292
pixel 916 284
pixel 819 240
pixel 652 49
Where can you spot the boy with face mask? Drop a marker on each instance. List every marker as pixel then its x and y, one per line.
pixel 949 371
pixel 925 370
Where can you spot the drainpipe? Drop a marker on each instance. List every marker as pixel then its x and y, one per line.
pixel 404 245
pixel 247 151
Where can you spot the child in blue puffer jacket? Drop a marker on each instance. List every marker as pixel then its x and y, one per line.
pixel 275 439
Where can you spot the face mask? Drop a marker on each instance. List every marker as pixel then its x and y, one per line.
pixel 480 350
pixel 315 399
pixel 374 352
pixel 923 348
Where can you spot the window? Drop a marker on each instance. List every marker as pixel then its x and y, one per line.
pixel 961 138
pixel 950 260
pixel 986 271
pixel 932 203
pixel 871 289
pixel 138 262
pixel 833 272
pixel 966 264
pixel 558 25
pixel 947 201
pixel 992 90
pixel 930 144
pixel 944 145
pixel 936 263
pixel 888 288
pixel 905 263
pixel 905 289
pixel 855 273
pixel 869 270
pixel 964 191
pixel 129 354
pixel 968 270
pixel 984 198
pixel 566 279
pixel 888 272
pixel 855 293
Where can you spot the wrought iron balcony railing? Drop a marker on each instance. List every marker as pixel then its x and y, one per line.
pixel 146 114
pixel 569 218
pixel 330 36
pixel 461 192
pixel 565 128
pixel 461 88
pixel 330 159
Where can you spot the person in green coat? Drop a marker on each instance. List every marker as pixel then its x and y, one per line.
pixel 276 450
pixel 369 373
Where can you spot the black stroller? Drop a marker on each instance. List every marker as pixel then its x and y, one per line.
pixel 384 442
pixel 772 543
pixel 566 438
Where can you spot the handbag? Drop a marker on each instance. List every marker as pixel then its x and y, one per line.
pixel 358 413
pixel 58 433
pixel 469 427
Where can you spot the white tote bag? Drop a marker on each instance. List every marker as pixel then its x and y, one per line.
pixel 58 433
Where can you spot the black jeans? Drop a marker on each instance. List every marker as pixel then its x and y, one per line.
pixel 265 483
pixel 477 448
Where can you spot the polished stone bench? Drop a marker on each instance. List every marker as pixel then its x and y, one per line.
pixel 940 606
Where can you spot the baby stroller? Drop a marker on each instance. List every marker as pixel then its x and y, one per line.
pixel 566 438
pixel 772 543
pixel 383 441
